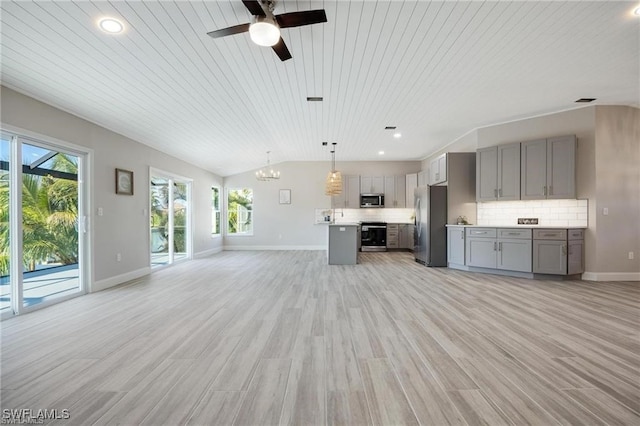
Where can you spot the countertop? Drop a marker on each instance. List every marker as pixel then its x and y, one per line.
pixel 518 226
pixel 345 224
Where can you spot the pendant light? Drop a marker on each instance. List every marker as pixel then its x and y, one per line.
pixel 334 178
pixel 267 173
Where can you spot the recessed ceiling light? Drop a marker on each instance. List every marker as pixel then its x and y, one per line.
pixel 397 135
pixel 637 11
pixel 585 100
pixel 380 152
pixel 111 25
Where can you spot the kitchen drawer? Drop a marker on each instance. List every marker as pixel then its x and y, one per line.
pixel 392 226
pixel 515 233
pixel 576 234
pixel 481 232
pixel 550 234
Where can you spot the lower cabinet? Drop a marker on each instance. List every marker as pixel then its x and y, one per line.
pixel 507 249
pixel 455 245
pixel 558 251
pixel 392 235
pixel 400 236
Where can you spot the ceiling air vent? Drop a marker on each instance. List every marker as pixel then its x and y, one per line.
pixel 585 100
pixel 314 98
pixel 390 128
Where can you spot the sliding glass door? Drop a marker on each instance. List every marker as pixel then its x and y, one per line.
pixel 42 223
pixel 170 218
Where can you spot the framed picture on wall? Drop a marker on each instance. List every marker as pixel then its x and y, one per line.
pixel 285 196
pixel 124 182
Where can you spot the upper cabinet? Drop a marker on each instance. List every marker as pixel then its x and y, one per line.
pixel 395 191
pixel 548 168
pixel 438 170
pixel 498 173
pixel 534 170
pixel 350 196
pixel 411 185
pixel 423 178
pixel 372 184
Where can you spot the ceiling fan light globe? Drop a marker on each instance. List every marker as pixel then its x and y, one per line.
pixel 264 33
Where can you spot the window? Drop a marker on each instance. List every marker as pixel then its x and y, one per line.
pixel 215 211
pixel 240 212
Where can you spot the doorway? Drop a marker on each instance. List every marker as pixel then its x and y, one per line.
pixel 170 218
pixel 43 241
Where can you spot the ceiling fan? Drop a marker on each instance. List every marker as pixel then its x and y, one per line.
pixel 265 26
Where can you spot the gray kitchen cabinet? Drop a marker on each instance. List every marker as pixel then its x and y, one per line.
pixel 392 236
pixel 504 248
pixel 558 251
pixel 372 184
pixel 548 168
pixel 405 236
pixel 455 245
pixel 438 170
pixel 498 173
pixel 343 244
pixel 350 196
pixel 395 191
pixel 480 248
pixel 410 186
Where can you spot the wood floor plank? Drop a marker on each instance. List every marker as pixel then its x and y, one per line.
pixel 387 402
pixel 270 337
pixel 262 404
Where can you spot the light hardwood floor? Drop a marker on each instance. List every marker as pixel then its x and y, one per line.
pixel 279 337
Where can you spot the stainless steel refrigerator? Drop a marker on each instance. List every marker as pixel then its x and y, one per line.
pixel 430 235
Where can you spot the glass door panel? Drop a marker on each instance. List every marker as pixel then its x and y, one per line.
pixel 50 224
pixel 5 248
pixel 180 212
pixel 159 221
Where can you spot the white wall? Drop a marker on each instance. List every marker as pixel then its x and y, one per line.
pixel 286 226
pixel 124 227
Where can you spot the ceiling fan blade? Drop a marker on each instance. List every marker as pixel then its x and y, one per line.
pixel 254 7
pixel 281 50
pixel 236 29
pixel 297 19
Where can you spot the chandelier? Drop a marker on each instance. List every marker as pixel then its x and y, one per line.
pixel 267 173
pixel 334 178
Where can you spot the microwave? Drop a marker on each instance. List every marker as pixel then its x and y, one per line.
pixel 371 200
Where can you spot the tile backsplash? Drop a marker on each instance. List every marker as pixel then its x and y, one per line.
pixel 372 215
pixel 549 212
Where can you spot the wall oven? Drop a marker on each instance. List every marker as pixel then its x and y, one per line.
pixel 373 236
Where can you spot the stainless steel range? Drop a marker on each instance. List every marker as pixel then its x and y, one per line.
pixel 373 236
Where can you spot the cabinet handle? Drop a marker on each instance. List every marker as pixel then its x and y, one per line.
pixel 514 233
pixel 564 249
pixel 479 232
pixel 500 246
pixel 544 190
pixel 462 235
pixel 494 246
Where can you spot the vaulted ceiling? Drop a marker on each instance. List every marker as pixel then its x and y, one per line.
pixel 436 70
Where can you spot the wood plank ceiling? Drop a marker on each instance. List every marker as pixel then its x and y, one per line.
pixel 434 69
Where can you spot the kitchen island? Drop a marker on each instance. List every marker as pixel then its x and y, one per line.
pixel 343 244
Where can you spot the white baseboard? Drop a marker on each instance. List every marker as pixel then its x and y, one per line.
pixel 611 276
pixel 119 279
pixel 229 248
pixel 207 253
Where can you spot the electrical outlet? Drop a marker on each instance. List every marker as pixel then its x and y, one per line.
pixel 118 257
pixel 100 211
pixel 605 211
pixel 630 255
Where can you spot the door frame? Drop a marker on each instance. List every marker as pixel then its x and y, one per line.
pixel 85 223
